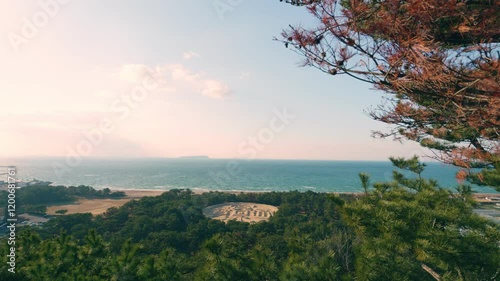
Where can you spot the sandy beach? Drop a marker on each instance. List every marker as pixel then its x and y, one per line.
pixel 99 206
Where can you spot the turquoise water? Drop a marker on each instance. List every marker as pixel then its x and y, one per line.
pixel 220 174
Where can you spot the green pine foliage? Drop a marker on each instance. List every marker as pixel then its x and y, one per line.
pixel 407 224
pixel 405 229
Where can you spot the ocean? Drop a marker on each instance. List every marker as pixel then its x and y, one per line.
pixel 220 174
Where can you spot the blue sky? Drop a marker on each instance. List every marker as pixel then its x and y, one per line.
pixel 221 81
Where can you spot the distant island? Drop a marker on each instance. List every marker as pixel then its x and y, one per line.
pixel 194 157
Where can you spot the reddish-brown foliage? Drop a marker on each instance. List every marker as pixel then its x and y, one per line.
pixel 438 60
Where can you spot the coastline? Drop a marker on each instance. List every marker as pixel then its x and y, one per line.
pixel 138 193
pixel 98 206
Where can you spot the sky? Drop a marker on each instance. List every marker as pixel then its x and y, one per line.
pixel 123 78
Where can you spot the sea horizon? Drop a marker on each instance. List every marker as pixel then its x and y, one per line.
pixel 230 175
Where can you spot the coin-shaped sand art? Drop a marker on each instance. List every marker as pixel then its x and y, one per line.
pixel 240 211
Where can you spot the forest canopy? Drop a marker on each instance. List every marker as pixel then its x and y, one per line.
pixel 405 229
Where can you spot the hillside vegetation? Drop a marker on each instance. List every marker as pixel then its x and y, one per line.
pixel 407 229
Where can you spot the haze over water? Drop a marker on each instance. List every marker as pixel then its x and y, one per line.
pixel 214 174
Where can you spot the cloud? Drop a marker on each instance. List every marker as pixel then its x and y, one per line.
pixel 215 89
pixel 178 72
pixel 134 73
pixel 173 78
pixel 179 78
pixel 190 55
